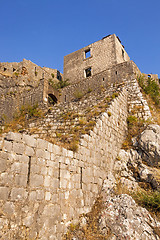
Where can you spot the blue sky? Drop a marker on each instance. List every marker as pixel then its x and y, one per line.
pixel 44 31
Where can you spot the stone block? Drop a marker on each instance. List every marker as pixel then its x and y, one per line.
pixel 36 180
pixel 18 194
pixel 54 197
pixel 69 153
pixel 28 221
pixel 65 174
pixel 40 153
pixel 21 180
pixel 47 181
pixel 63 183
pixel 51 210
pixel 3 165
pixel 50 171
pixel 50 147
pixel 4 192
pixel 33 196
pixel 54 183
pixel 43 170
pixel 29 151
pixel 57 150
pixel 40 194
pixel 9 208
pixel 7 146
pixel 22 158
pixel 6 179
pixel 1 144
pixel 11 136
pixel 47 155
pixel 53 156
pixel 18 167
pixel 48 196
pixel 18 148
pixel 29 140
pixel 42 144
pixel 35 169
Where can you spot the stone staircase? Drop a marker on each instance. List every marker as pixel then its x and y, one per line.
pixel 64 123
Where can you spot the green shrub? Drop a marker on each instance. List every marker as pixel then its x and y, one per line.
pixel 52 74
pixel 16 74
pixel 30 111
pixel 149 200
pixel 78 95
pixel 89 90
pixel 60 84
pixel 150 87
pixel 131 120
pixel 114 95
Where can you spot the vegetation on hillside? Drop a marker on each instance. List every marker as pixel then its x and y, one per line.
pixel 150 87
pixel 58 85
pixel 22 117
pixel 151 90
pixel 90 230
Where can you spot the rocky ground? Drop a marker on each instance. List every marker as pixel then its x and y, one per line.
pixel 135 171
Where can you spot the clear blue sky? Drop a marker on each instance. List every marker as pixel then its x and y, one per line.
pixel 44 31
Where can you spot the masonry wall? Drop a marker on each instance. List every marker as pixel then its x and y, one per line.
pixel 44 186
pixel 103 55
pixel 15 92
pixel 117 74
pixel 121 54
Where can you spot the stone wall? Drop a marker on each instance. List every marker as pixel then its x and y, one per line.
pixel 44 186
pixel 24 83
pixel 105 79
pixel 103 55
pixel 137 104
pixel 15 92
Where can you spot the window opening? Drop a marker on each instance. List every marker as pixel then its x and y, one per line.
pixel 116 72
pixel 87 53
pixel 35 71
pixel 52 99
pixel 5 69
pixel 88 72
pixel 59 75
pixel 65 98
pixel 123 53
pixel 103 79
pixel 14 69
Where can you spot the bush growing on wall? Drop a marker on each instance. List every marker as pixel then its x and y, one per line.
pixel 150 87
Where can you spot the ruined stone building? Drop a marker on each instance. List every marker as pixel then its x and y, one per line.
pixel 97 65
pixel 44 185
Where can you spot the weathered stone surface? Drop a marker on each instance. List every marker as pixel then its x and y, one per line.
pixel 127 220
pixel 18 194
pixel 11 136
pixel 36 180
pixel 149 142
pixel 4 192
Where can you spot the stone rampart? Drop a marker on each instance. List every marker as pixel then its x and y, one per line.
pixel 44 186
pixel 104 79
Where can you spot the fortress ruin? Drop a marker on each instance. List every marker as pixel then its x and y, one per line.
pixel 43 185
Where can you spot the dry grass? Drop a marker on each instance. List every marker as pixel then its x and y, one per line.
pixel 22 118
pixel 89 231
pixel 135 126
